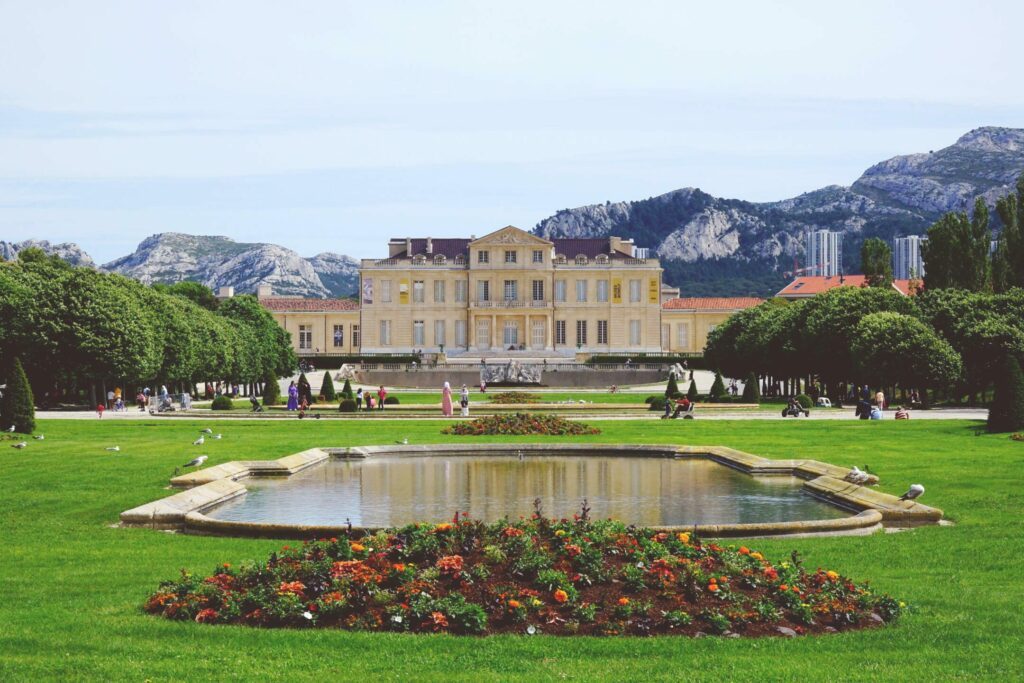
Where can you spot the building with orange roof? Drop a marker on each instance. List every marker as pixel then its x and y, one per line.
pixel 687 321
pixel 807 286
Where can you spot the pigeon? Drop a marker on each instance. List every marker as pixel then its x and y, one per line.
pixel 217 436
pixel 114 448
pixel 404 441
pixel 20 444
pixel 200 441
pixel 206 431
pixel 196 462
pixel 39 437
pixel 915 491
pixel 10 430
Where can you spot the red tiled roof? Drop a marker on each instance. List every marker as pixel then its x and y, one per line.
pixel 712 303
pixel 809 285
pixel 290 303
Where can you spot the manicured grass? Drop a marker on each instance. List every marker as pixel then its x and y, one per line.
pixel 71 584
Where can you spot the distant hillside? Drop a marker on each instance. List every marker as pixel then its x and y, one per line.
pixel 72 253
pixel 714 246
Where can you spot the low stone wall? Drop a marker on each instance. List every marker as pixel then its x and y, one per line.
pixel 434 378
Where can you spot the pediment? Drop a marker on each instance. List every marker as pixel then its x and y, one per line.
pixel 510 234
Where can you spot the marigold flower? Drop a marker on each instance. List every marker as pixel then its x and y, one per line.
pixel 444 526
pixel 560 595
pixel 357 547
pixel 757 556
pixel 514 604
pixel 683 538
pixel 744 550
pixel 713 587
pixel 560 533
pixel 783 587
pixel 623 601
pixel 832 575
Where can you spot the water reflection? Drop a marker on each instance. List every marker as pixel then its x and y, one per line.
pixel 648 491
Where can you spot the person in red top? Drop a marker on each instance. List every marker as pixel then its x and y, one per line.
pixel 682 406
pixel 381 395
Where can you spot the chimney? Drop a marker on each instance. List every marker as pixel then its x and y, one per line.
pixel 226 292
pixel 408 247
pixel 264 292
pixel 615 244
pixel 430 245
pixel 395 247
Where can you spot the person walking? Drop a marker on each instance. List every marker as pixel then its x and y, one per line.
pixel 446 400
pixel 293 396
pixel 464 401
pixel 381 395
pixel 359 399
pixel 880 400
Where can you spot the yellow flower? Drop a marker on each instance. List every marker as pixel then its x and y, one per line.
pixel 832 575
pixel 757 556
pixel 536 602
pixel 560 532
pixel 683 538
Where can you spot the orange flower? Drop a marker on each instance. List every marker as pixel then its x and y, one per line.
pixel 398 567
pixel 439 619
pixel 832 575
pixel 514 604
pixel 744 550
pixel 713 587
pixel 683 538
pixel 757 556
pixel 357 547
pixel 623 601
pixel 783 587
pixel 560 595
pixel 444 526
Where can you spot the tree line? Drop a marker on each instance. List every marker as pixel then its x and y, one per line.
pixel 75 328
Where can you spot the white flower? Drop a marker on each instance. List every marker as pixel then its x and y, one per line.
pixel 308 615
pixel 397 618
pixel 531 629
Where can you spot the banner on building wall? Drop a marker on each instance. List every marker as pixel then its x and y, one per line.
pixel 617 290
pixel 652 290
pixel 403 291
pixel 367 290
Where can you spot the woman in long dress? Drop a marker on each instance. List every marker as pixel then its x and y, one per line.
pixel 293 397
pixel 446 400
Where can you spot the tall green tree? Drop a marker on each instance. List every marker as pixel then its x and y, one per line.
pixel 18 406
pixel 196 292
pixel 1006 414
pixel 1008 261
pixel 876 262
pixel 956 254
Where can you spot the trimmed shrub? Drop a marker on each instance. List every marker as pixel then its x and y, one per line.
pixel 751 390
pixel 1006 413
pixel 717 392
pixel 271 391
pixel 805 401
pixel 18 406
pixel 347 405
pixel 391 401
pixel 672 390
pixel 305 390
pixel 649 399
pixel 346 391
pixel 658 403
pixel 692 393
pixel 221 403
pixel 327 388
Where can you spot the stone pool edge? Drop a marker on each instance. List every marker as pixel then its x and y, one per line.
pixel 210 487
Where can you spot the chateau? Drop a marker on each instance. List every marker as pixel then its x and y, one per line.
pixel 506 291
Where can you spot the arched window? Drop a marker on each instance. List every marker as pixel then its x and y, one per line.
pixel 460 260
pixel 440 260
pixel 602 259
pixel 419 260
pixel 581 260
pixel 560 258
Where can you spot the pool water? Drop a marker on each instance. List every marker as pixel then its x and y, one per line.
pixel 651 491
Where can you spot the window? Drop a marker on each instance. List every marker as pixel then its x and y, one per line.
pixel 581 260
pixel 538 290
pixel 683 335
pixel 385 291
pixel 634 291
pixel 483 256
pixel 417 291
pixel 634 333
pixel 581 333
pixel 560 332
pixel 581 290
pixel 538 256
pixel 439 333
pixel 510 256
pixel 440 260
pixel 560 259
pixel 510 337
pixel 417 333
pixel 602 291
pixel 560 291
pixel 511 290
pixel 419 260
pixel 438 291
pixel 385 333
pixel 538 334
pixel 460 260
pixel 339 335
pixel 602 331
pixel 355 336
pixel 602 259
pixel 305 337
pixel 483 290
pixel 460 333
pixel 460 291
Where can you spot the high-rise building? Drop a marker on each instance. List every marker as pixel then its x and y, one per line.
pixel 824 253
pixel 906 257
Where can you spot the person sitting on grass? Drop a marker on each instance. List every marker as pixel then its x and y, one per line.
pixel 876 413
pixel 902 414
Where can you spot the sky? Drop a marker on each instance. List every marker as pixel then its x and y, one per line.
pixel 332 126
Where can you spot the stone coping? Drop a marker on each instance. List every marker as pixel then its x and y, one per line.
pixel 215 485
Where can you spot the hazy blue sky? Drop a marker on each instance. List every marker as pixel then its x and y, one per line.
pixel 332 126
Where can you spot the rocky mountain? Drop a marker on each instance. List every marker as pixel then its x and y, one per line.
pixel 711 245
pixel 220 261
pixel 72 253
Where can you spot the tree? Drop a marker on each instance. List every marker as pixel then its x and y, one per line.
pixel 18 407
pixel 327 388
pixel 751 390
pixel 956 254
pixel 346 391
pixel 717 392
pixel 1008 261
pixel 271 390
pixel 196 292
pixel 672 390
pixel 691 394
pixel 1006 414
pixel 876 262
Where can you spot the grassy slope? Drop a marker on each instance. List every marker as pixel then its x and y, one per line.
pixel 71 586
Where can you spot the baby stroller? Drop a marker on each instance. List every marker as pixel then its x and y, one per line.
pixel 164 405
pixel 794 409
pixel 256 407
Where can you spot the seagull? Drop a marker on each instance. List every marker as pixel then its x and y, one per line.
pixel 10 430
pixel 39 437
pixel 217 436
pixel 404 441
pixel 200 441
pixel 197 461
pixel 114 448
pixel 856 476
pixel 206 431
pixel 915 491
pixel 20 444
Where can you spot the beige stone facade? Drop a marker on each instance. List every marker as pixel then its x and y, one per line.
pixel 686 323
pixel 317 326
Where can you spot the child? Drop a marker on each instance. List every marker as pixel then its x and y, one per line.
pixel 99 409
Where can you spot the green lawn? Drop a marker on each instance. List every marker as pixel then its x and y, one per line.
pixel 71 584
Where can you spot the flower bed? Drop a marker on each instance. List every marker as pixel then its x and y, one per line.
pixel 507 397
pixel 520 424
pixel 531 576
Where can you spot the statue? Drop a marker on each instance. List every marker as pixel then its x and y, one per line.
pixel 512 372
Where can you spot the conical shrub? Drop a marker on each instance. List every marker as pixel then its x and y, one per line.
pixel 18 406
pixel 1006 413
pixel 346 391
pixel 672 390
pixel 751 390
pixel 271 391
pixel 717 392
pixel 692 393
pixel 327 388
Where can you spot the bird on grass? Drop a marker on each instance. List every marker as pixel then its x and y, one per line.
pixel 114 448
pixel 39 437
pixel 914 492
pixel 217 436
pixel 857 476
pixel 196 461
pixel 19 445
pixel 10 430
pixel 206 431
pixel 404 441
pixel 200 441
